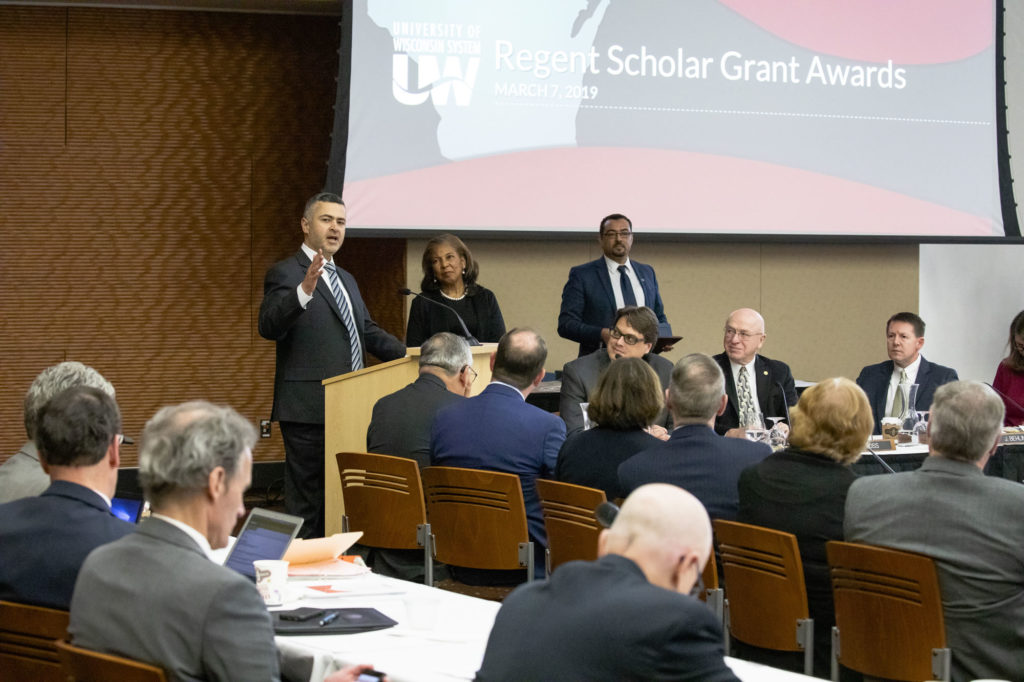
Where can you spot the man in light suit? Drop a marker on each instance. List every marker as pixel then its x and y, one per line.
pixel 22 474
pixel 966 521
pixel 597 289
pixel 634 334
pixel 157 595
pixel 401 421
pixel 629 615
pixel 754 384
pixel 314 312
pixel 696 458
pixel 45 539
pixel 499 431
pixel 904 334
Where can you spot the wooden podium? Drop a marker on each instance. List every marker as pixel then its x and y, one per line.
pixel 348 404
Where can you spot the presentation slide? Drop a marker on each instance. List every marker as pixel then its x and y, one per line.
pixel 734 117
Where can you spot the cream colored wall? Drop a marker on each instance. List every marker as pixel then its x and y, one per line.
pixel 825 305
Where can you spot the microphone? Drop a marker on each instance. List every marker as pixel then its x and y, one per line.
pixel 881 461
pixel 785 403
pixel 465 330
pixel 1006 397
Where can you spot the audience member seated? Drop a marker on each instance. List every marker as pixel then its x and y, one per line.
pixel 449 277
pixel 756 386
pixel 629 615
pixel 156 595
pixel 22 475
pixel 626 399
pixel 802 490
pixel 499 431
pixel 967 522
pixel 45 539
pixel 904 334
pixel 1009 381
pixel 696 458
pixel 634 333
pixel 400 424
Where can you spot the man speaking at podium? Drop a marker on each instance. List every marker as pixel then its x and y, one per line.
pixel 314 312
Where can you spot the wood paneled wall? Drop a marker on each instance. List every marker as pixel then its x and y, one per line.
pixel 153 164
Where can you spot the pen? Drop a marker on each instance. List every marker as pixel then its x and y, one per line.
pixel 329 618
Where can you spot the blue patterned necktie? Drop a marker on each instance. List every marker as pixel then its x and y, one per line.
pixel 346 317
pixel 628 297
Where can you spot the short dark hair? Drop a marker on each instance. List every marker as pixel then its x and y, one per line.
pixel 1015 360
pixel 520 357
pixel 627 396
pixel 326 197
pixel 613 216
pixel 910 318
pixel 77 426
pixel 472 267
pixel 640 318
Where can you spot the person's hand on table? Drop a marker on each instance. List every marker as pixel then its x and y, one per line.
pixel 736 433
pixel 350 674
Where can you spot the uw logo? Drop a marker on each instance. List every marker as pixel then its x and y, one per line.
pixel 431 80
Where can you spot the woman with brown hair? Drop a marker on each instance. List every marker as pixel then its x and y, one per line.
pixel 1009 381
pixel 626 401
pixel 449 278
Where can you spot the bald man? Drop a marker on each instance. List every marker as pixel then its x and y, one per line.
pixel 630 613
pixel 756 385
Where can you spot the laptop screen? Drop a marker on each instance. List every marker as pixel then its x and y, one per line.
pixel 265 535
pixel 126 508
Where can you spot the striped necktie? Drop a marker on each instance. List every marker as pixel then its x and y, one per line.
pixel 346 317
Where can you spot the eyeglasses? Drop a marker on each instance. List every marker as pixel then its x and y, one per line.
pixel 698 587
pixel 612 234
pixel 628 338
pixel 742 333
pixel 467 368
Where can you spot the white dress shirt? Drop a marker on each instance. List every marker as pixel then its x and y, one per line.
pixel 613 275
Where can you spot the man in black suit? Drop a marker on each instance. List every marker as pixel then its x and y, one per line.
pixel 595 290
pixel 626 616
pixel 314 312
pixel 904 338
pixel 696 458
pixel 45 539
pixel 634 333
pixel 401 421
pixel 755 385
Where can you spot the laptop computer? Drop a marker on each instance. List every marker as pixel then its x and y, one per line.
pixel 265 535
pixel 127 508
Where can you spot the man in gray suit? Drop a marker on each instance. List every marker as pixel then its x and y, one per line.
pixel 633 334
pixel 156 595
pixel 967 522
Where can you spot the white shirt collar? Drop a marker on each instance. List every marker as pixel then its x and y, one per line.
pixel 613 267
pixel 912 370
pixel 502 383
pixel 312 254
pixel 200 539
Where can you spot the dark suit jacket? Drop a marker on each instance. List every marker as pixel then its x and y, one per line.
pixel 874 379
pixel 45 539
pixel 696 459
pixel 479 311
pixel 601 620
pixel 969 524
pixel 802 493
pixel 579 379
pixel 592 458
pixel 313 344
pixel 155 597
pixel 401 422
pixel 768 373
pixel 588 303
pixel 499 431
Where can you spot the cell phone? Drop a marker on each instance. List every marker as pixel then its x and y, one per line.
pixel 300 617
pixel 370 676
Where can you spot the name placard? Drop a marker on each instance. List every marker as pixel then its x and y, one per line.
pixel 882 445
pixel 1011 438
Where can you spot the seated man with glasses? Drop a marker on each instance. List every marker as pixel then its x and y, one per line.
pixel 630 615
pixel 757 386
pixel 45 539
pixel 633 334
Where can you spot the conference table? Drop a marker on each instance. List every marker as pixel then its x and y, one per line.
pixel 440 635
pixel 1007 462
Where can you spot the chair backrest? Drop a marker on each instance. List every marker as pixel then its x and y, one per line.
pixel 888 611
pixel 83 665
pixel 764 588
pixel 478 517
pixel 27 635
pixel 569 520
pixel 383 498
